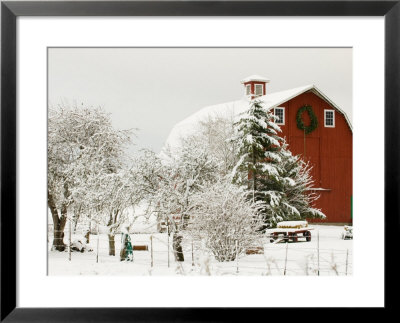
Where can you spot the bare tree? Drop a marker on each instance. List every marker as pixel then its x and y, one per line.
pixel 226 220
pixel 83 147
pixel 215 133
pixel 170 185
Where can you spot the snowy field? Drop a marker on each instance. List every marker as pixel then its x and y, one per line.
pixel 335 258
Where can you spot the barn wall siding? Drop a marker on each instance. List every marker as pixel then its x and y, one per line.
pixel 329 150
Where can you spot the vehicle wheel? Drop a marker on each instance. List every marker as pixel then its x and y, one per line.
pixel 307 235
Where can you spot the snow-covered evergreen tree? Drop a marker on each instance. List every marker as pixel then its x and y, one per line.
pixel 269 170
pixel 298 194
pixel 259 144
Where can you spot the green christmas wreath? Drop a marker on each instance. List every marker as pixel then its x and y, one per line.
pixel 300 124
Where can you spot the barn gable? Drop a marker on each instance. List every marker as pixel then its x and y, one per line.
pixel 275 99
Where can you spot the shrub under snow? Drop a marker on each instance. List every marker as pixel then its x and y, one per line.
pixel 225 220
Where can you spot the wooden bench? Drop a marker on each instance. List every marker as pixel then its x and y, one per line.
pixel 144 247
pixel 255 251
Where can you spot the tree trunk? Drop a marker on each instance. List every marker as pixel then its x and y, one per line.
pixel 185 221
pixel 177 246
pixel 58 240
pixel 113 217
pixel 58 223
pixel 254 176
pixel 76 217
pixel 111 245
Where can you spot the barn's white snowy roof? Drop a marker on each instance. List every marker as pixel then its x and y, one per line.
pixel 231 109
pixel 255 78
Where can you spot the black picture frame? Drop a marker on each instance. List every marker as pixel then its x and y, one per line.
pixel 10 11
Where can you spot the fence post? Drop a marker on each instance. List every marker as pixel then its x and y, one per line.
pixel 98 238
pixel 318 249
pixel 347 260
pixel 168 241
pixel 69 248
pixel 151 246
pixel 284 271
pixel 237 256
pixel 192 255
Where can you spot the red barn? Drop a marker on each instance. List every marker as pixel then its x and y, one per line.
pixel 328 146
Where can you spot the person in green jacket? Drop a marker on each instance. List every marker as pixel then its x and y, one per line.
pixel 126 247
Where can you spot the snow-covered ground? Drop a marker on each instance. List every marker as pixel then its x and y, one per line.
pixel 335 257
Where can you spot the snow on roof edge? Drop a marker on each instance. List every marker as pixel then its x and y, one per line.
pixel 335 106
pixel 271 101
pixel 255 78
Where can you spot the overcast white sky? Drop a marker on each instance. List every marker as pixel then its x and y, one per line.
pixel 154 88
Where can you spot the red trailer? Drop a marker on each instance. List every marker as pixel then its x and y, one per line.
pixel 290 230
pixel 286 234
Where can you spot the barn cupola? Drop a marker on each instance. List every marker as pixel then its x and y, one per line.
pixel 254 85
